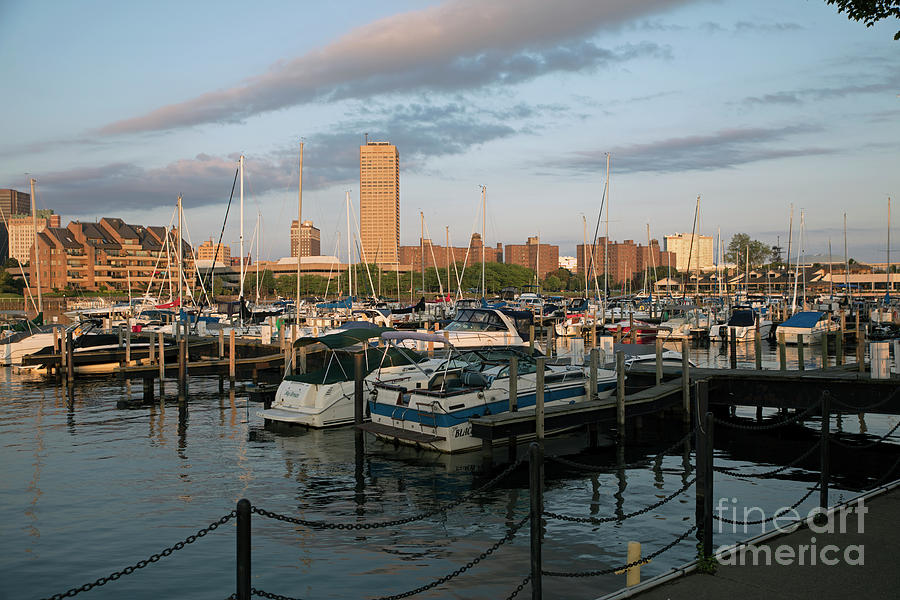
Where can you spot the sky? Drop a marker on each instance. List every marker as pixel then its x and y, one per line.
pixel 116 108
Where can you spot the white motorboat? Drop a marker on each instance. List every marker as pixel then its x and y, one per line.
pixel 436 416
pixel 484 327
pixel 810 324
pixel 742 325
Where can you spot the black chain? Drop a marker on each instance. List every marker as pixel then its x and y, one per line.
pixel 587 467
pixel 640 561
pixel 765 474
pixel 270 595
pixel 884 477
pixel 782 423
pixel 869 444
pixel 870 406
pixel 519 588
pixel 356 526
pixel 143 563
pixel 644 510
pixel 509 535
pixel 777 514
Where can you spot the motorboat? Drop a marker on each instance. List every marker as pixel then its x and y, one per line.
pixel 810 324
pixel 483 327
pixel 436 415
pixel 742 325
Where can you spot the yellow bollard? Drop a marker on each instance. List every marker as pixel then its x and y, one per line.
pixel 633 574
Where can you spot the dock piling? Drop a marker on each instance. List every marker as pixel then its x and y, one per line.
pixel 531 340
pixel 539 401
pixel 659 365
pixel 536 498
pixel 221 344
pixel 231 357
pixel 757 349
pixel 243 550
pixel 839 347
pixel 595 360
pixel 782 352
pixel 70 363
pixel 620 396
pixel 685 381
pixel 704 486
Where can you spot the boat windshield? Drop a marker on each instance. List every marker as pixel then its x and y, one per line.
pixel 476 320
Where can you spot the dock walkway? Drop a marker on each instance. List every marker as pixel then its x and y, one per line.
pixel 877 576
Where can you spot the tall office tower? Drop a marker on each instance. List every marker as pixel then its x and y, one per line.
pixel 305 239
pixel 379 202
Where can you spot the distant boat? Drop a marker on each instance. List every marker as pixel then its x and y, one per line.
pixel 810 324
pixel 742 325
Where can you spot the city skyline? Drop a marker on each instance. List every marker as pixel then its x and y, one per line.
pixel 753 106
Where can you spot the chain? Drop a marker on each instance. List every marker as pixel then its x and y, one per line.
pixel 510 535
pixel 356 526
pixel 884 477
pixel 143 563
pixel 733 473
pixel 870 444
pixel 869 407
pixel 773 517
pixel 587 467
pixel 776 425
pixel 519 588
pixel 270 595
pixel 640 561
pixel 644 510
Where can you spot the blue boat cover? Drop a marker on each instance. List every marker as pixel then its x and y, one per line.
pixel 345 303
pixel 807 319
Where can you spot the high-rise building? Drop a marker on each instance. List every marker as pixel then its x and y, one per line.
pixel 379 202
pixel 626 259
pixel 689 248
pixel 306 239
pixel 210 250
pixel 21 232
pixel 533 255
pixel 13 202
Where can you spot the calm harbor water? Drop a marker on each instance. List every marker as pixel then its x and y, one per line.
pixel 88 489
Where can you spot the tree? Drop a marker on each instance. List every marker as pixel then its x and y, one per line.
pixel 869 11
pixel 9 285
pixel 737 250
pixel 552 283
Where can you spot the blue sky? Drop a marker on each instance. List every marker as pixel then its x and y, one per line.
pixel 116 108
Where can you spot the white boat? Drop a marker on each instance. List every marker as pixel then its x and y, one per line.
pixel 483 327
pixel 692 322
pixel 436 416
pixel 323 396
pixel 19 344
pixel 742 325
pixel 810 324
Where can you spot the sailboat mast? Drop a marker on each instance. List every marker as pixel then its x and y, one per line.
pixel 847 264
pixel 349 250
pixel 447 255
pixel 180 225
pixel 299 225
pixel 889 250
pixel 241 296
pixel 258 233
pixel 37 262
pixel 584 248
pixel 483 237
pixel 606 241
pixel 537 264
pixel 422 247
pixel 790 239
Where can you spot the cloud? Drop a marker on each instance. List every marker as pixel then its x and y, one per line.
pixel 458 45
pixel 889 84
pixel 723 149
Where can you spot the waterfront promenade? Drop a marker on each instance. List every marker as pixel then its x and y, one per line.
pixel 874 543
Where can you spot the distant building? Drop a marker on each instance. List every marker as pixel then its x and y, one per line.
pixel 210 251
pixel 689 248
pixel 109 254
pixel 13 202
pixel 626 259
pixel 568 262
pixel 411 256
pixel 305 239
pixel 379 202
pixel 21 232
pixel 541 258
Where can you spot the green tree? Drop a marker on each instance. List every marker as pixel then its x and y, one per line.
pixel 869 11
pixel 10 285
pixel 738 246
pixel 552 283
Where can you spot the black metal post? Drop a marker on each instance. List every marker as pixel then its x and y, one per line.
pixel 358 398
pixel 70 351
pixel 243 549
pixel 704 458
pixel 708 491
pixel 823 450
pixel 535 488
pixel 732 346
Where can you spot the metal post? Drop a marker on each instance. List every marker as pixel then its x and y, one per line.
pixel 782 352
pixel 659 369
pixel 539 400
pixel 704 492
pixel 231 366
pixel 824 459
pixel 182 350
pixel 595 361
pixel 70 363
pixel 162 358
pixel 243 549
pixel 513 384
pixel 757 349
pixel 128 345
pixel 536 496
pixel 801 359
pixel 620 396
pixel 685 381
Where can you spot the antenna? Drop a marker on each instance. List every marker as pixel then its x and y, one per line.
pixel 367 138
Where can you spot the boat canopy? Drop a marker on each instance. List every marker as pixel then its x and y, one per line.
pixel 419 336
pixel 803 320
pixel 341 367
pixel 343 339
pixel 742 318
pixel 345 303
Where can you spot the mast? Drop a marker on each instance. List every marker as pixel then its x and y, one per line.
pixel 797 267
pixel 790 239
pixel 447 255
pixel 241 296
pixel 349 251
pixel 422 247
pixel 299 225
pixel 830 272
pixel 37 262
pixel 483 237
pixel 258 232
pixel 537 264
pixel 180 224
pixel 697 293
pixel 606 241
pixel 888 295
pixel 584 261
pixel 846 265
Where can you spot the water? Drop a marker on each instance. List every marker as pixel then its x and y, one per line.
pixel 88 489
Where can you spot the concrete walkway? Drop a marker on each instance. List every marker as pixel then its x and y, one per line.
pixel 877 577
